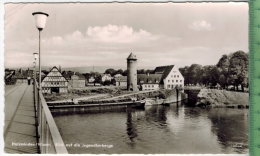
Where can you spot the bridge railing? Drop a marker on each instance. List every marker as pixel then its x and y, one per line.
pixel 49 138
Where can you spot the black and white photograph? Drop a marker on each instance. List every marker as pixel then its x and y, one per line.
pixel 126 78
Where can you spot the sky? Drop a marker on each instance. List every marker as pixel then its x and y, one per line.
pixel 104 34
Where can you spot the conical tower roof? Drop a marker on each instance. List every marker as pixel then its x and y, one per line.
pixel 132 57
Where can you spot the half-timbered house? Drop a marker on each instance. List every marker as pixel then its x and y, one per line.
pixel 54 81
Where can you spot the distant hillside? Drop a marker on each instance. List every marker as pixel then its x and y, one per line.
pixel 100 69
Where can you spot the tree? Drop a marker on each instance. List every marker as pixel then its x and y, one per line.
pixel 125 73
pixel 223 65
pixel 141 71
pixel 238 69
pixel 120 71
pixel 106 83
pixel 185 73
pixel 195 71
pixel 149 71
pixel 98 79
pixel 110 71
pixel 205 76
pixel 113 82
pixel 214 75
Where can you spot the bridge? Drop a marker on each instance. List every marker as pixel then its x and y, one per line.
pixel 29 125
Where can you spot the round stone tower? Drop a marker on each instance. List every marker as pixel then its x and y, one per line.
pixel 131 72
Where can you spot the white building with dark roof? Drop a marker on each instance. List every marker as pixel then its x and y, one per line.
pixel 171 77
pixel 164 77
pixel 149 81
pixel 121 81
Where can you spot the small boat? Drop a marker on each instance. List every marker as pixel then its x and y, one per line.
pixel 151 102
pixel 86 103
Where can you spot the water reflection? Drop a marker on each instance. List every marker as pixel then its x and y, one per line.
pixel 131 127
pixel 231 128
pixel 156 129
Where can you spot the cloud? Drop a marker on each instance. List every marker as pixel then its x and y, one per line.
pixel 112 42
pixel 75 36
pixel 201 25
pixel 114 33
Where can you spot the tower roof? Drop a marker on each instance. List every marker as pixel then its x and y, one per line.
pixel 132 57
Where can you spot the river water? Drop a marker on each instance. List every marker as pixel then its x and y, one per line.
pixel 176 129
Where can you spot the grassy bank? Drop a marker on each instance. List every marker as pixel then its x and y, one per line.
pixel 222 98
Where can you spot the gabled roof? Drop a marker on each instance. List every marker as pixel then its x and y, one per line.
pixel 151 78
pixel 132 57
pixel 51 71
pixel 165 70
pixel 68 74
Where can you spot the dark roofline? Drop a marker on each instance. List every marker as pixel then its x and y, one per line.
pixel 51 70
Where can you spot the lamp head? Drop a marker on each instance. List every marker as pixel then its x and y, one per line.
pixel 40 19
pixel 35 55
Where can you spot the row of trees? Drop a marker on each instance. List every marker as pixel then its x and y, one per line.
pixel 113 72
pixel 231 69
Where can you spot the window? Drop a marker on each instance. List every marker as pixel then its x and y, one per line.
pixel 172 80
pixel 176 80
pixel 152 86
pixel 171 76
pixel 177 75
pixel 169 86
pixel 149 86
pixel 174 75
pixel 180 80
pixel 168 80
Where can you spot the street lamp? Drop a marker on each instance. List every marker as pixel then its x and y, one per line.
pixel 40 20
pixel 35 55
pixel 34 73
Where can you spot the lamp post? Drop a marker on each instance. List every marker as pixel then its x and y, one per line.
pixel 34 75
pixel 34 64
pixel 40 20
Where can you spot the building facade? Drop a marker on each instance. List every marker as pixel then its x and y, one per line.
pixel 132 73
pixel 149 81
pixel 106 77
pixel 91 79
pixel 54 81
pixel 76 80
pixel 171 77
pixel 121 81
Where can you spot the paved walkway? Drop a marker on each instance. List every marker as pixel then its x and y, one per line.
pixel 20 129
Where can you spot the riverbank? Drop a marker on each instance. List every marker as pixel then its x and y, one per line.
pixel 222 98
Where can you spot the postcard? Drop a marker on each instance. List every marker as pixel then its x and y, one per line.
pixel 126 78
